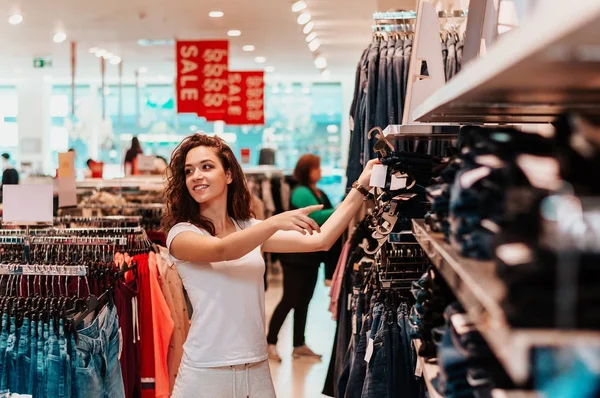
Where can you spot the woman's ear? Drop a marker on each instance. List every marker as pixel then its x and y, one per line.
pixel 229 176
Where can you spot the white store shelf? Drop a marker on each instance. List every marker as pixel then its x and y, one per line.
pixel 531 74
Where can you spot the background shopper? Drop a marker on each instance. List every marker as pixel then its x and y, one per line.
pixel 131 155
pixel 300 270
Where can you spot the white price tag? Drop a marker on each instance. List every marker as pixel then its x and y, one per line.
pixel 378 176
pixel 349 301
pixel 120 344
pixel 354 327
pixel 398 182
pixel 370 348
pixel 28 204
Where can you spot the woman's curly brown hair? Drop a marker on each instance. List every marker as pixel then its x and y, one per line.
pixel 181 207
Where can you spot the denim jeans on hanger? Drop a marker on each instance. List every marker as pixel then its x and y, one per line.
pixel 359 366
pixel 11 356
pixel 358 302
pixel 97 367
pixel 40 382
pixel 392 106
pixel 357 136
pixel 33 339
pixel 398 65
pixel 23 358
pixel 381 107
pixel 371 94
pixel 376 380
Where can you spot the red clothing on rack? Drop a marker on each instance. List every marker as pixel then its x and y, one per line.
pixel 147 369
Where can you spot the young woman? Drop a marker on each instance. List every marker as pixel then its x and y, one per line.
pixel 300 270
pixel 216 245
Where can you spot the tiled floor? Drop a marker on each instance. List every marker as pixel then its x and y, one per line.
pixel 303 378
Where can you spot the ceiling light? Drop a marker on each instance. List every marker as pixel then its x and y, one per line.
pixel 155 42
pixel 321 62
pixel 107 55
pixel 270 69
pixel 216 14
pixel 326 74
pixel 298 6
pixel 93 50
pixel 289 90
pixel 311 37
pixel 60 37
pixel 143 69
pixel 275 90
pixel 304 18
pixel 15 19
pixel 332 128
pixel 305 90
pixel 314 45
pixel 115 60
pixel 100 53
pixel 308 28
pixel 248 48
pixel 260 60
pixel 234 33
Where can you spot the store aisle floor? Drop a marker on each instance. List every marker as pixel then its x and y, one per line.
pixel 302 378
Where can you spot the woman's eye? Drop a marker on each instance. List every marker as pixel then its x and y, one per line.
pixel 207 167
pixel 187 172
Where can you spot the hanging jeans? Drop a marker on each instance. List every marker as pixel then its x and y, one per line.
pixel 376 380
pixel 97 371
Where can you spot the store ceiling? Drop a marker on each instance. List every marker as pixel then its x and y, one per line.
pixel 343 27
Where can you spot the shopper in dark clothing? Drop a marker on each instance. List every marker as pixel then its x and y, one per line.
pixel 300 270
pixel 131 155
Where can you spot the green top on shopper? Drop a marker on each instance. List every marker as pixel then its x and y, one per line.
pixel 303 196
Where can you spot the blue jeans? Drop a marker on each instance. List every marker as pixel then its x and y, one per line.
pixel 359 366
pixel 24 359
pixel 3 361
pixel 31 381
pixel 377 378
pixel 40 384
pixel 56 364
pixel 97 371
pixel 11 357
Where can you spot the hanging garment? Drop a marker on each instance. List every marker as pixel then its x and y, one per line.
pixel 162 325
pixel 172 289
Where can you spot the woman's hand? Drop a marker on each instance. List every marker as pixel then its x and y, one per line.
pixel 296 220
pixel 365 177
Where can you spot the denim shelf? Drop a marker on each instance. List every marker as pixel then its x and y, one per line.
pixel 430 371
pixel 480 291
pixel 529 75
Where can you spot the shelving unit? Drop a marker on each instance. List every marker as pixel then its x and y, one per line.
pixel 531 74
pixel 430 371
pixel 480 291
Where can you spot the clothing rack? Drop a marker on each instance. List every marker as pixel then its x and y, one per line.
pixel 43 269
pixel 407 15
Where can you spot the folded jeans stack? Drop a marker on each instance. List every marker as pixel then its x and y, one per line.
pixel 468 368
pixel 432 295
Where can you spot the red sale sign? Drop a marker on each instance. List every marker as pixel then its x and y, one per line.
pixel 202 72
pixel 246 98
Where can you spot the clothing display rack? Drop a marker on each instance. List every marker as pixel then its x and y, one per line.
pixel 505 308
pixel 61 290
